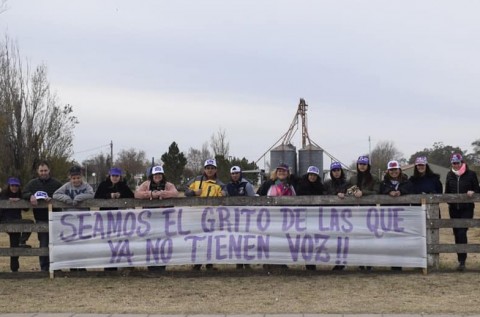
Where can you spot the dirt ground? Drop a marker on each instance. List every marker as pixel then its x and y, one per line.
pixel 227 291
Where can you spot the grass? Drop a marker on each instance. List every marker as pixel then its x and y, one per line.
pixel 227 291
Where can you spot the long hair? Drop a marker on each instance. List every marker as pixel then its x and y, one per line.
pixel 342 175
pixel 364 177
pixel 428 172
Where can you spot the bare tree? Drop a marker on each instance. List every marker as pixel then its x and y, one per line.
pixel 33 126
pixel 383 152
pixel 132 162
pixel 220 145
pixel 3 6
pixel 196 158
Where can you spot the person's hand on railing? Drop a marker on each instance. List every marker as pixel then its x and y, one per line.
pixel 470 193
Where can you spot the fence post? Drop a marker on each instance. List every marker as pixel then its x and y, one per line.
pixel 433 235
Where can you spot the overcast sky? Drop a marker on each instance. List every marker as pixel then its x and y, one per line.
pixel 145 73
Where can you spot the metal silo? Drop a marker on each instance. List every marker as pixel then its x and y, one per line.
pixel 284 153
pixel 309 155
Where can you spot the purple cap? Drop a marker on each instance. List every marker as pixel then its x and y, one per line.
pixel 421 160
pixel 283 166
pixel 363 160
pixel 335 165
pixel 456 158
pixel 115 171
pixel 313 170
pixel 13 181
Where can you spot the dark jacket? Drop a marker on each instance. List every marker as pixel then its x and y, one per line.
pixel 387 186
pixel 106 188
pixel 47 185
pixel 263 189
pixel 367 187
pixel 427 184
pixel 7 215
pixel 307 188
pixel 459 185
pixel 335 185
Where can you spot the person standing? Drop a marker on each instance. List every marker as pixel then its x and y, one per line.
pixel 336 185
pixel 75 190
pixel 13 193
pixel 461 180
pixel 206 185
pixel 364 180
pixel 156 187
pixel 239 186
pixel 310 184
pixel 424 180
pixel 395 184
pixel 41 188
pixel 113 187
pixel 364 184
pixel 281 183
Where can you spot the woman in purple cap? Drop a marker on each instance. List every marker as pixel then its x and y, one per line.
pixel 13 193
pixel 424 180
pixel 113 187
pixel 461 180
pixel 364 181
pixel 337 184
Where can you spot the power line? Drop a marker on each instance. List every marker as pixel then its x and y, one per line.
pixel 93 149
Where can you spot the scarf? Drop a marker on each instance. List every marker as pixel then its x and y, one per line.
pixel 461 170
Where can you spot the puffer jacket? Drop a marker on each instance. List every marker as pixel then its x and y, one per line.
pixel 210 188
pixel 459 185
pixel 307 188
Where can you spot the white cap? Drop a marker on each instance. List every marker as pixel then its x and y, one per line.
pixel 41 195
pixel 392 165
pixel 235 169
pixel 210 162
pixel 157 170
pixel 313 170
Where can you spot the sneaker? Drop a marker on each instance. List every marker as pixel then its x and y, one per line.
pixel 339 268
pixel 310 267
pixel 197 267
pixel 23 245
pixel 461 267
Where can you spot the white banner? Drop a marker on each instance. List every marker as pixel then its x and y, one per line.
pixel 339 235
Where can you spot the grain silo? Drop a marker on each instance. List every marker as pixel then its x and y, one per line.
pixel 284 153
pixel 309 155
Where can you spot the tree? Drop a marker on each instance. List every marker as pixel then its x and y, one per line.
pixel 439 154
pixel 132 163
pixel 220 145
pixel 98 165
pixel 383 152
pixel 196 158
pixel 33 124
pixel 174 163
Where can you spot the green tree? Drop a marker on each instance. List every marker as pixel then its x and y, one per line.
pixel 174 163
pixel 438 154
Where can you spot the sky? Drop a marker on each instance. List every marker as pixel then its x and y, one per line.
pixel 142 74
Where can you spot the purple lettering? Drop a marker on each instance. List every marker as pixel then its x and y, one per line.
pixel 64 222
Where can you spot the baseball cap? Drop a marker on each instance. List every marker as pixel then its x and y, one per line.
pixel 13 181
pixel 456 158
pixel 393 165
pixel 235 169
pixel 421 160
pixel 75 170
pixel 335 165
pixel 363 160
pixel 283 166
pixel 210 162
pixel 115 171
pixel 40 195
pixel 157 170
pixel 313 170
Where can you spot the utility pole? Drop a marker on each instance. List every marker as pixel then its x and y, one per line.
pixel 111 153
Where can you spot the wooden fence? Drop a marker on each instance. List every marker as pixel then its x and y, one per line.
pixel 431 204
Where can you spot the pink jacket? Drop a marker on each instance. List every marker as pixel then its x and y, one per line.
pixel 144 192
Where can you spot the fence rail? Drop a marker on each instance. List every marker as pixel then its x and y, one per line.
pixel 431 203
